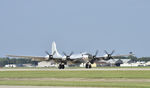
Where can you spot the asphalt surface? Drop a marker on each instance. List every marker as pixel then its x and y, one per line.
pixel 80 69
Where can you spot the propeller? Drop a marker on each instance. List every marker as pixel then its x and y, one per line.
pixel 109 55
pixel 50 55
pixel 94 57
pixel 68 56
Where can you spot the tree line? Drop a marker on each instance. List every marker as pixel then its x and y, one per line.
pixel 5 61
pixel 135 59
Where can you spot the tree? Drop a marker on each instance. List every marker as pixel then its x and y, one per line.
pixel 146 59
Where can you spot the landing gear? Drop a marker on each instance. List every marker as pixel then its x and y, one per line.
pixel 88 65
pixel 61 66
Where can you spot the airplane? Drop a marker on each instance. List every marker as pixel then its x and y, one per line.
pixel 64 59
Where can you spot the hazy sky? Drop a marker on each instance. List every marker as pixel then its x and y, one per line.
pixel 28 27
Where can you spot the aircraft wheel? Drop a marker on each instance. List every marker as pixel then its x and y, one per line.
pixel 90 66
pixel 59 67
pixel 86 65
pixel 63 66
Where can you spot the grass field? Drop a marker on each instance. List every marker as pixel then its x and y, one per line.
pixel 76 74
pixel 119 79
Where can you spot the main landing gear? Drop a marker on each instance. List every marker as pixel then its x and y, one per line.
pixel 88 65
pixel 61 66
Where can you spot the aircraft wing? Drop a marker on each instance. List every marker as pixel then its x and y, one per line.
pixel 122 55
pixel 77 59
pixel 35 58
pixel 114 56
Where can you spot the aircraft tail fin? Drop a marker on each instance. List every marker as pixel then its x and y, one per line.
pixel 54 49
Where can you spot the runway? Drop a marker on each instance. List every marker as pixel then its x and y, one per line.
pixel 80 69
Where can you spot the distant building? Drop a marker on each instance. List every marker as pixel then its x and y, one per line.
pixel 134 64
pixel 148 63
pixel 28 65
pixel 10 65
pixel 46 64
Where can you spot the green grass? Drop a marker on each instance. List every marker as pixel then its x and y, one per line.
pixel 75 74
pixel 138 75
pixel 79 84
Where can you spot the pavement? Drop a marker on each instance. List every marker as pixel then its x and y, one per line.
pixel 80 69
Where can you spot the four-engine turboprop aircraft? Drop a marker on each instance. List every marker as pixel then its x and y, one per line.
pixel 86 58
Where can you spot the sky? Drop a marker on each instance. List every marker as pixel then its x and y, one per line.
pixel 28 27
